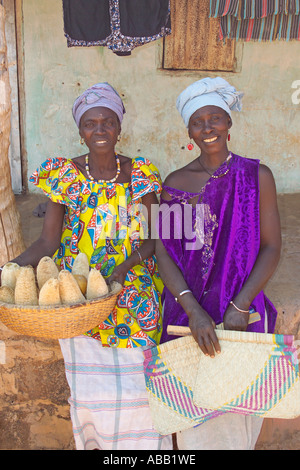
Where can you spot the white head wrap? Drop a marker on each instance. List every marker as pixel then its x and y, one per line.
pixel 101 94
pixel 208 92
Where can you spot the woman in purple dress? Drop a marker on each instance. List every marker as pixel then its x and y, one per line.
pixel 216 258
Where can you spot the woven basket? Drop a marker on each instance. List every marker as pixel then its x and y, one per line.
pixel 255 374
pixel 61 321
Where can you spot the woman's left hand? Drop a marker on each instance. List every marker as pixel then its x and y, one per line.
pixel 235 320
pixel 118 274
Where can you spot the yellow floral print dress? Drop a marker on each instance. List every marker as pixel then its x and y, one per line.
pixel 106 222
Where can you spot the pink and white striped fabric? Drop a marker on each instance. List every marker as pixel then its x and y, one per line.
pixel 109 403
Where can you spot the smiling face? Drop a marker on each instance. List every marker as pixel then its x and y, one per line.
pixel 100 127
pixel 208 127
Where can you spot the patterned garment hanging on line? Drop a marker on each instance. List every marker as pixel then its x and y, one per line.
pixel 120 25
pixel 257 20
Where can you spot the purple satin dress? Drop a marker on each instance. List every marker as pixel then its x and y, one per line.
pixel 217 268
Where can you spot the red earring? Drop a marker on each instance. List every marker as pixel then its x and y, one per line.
pixel 228 137
pixel 190 146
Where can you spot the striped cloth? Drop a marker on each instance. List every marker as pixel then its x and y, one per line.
pixel 260 20
pixel 108 403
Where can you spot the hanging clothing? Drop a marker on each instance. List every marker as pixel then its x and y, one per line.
pixel 120 25
pixel 106 222
pixel 258 20
pixel 216 254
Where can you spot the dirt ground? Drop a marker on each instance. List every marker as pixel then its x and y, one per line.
pixel 283 289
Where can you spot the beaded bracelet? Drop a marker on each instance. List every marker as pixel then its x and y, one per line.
pixel 238 309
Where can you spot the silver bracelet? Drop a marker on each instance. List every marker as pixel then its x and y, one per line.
pixel 182 293
pixel 139 255
pixel 238 309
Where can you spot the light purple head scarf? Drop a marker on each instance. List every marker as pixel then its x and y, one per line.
pixel 101 94
pixel 208 91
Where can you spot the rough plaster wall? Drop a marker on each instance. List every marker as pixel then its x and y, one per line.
pixel 268 127
pixel 33 401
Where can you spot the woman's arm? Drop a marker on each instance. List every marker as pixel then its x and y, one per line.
pixel 49 241
pixel 201 324
pixel 269 253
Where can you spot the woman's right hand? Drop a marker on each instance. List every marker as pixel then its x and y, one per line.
pixel 202 326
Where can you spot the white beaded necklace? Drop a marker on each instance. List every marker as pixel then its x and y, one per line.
pixel 87 169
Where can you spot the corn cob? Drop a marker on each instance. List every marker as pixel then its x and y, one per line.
pixel 49 293
pixel 26 292
pixel 69 290
pixel 9 275
pixel 7 295
pixel 81 281
pixel 96 285
pixel 46 269
pixel 81 265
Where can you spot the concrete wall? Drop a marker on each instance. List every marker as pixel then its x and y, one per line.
pixel 268 127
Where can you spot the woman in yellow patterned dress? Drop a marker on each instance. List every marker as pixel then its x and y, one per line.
pixel 100 204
